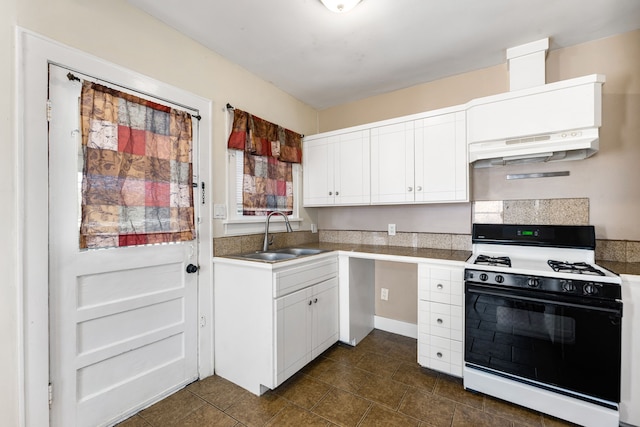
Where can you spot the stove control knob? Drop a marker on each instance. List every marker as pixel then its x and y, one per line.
pixel 532 282
pixel 499 278
pixel 568 286
pixel 484 277
pixel 590 289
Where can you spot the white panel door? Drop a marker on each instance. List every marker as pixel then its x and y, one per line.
pixel 123 321
pixel 325 316
pixel 352 168
pixel 441 163
pixel 318 172
pixel 392 163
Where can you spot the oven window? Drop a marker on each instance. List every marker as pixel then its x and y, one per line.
pixel 571 346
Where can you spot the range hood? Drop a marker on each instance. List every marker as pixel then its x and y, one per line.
pixel 571 145
pixel 535 122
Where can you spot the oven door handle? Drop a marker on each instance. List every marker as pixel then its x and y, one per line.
pixel 499 293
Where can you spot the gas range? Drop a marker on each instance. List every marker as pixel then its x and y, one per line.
pixel 543 322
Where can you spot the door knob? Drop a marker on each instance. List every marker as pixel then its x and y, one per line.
pixel 192 268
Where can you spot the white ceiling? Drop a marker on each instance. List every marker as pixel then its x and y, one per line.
pixel 326 59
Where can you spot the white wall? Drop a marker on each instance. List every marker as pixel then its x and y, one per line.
pixel 9 366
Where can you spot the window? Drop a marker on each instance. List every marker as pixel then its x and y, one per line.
pixel 248 133
pixel 236 222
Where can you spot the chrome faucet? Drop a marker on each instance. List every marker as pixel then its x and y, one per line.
pixel 267 242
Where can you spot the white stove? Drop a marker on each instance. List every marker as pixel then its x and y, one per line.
pixel 543 321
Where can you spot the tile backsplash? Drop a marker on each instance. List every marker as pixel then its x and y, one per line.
pixel 533 211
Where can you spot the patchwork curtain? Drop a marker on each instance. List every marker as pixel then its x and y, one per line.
pixel 138 173
pixel 269 151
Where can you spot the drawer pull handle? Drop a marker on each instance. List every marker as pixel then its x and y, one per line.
pixel 315 300
pixel 439 354
pixel 310 302
pixel 439 286
pixel 439 321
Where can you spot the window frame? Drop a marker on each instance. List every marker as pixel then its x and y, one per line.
pixel 236 224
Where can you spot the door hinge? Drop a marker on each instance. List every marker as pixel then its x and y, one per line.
pixel 50 394
pixel 48 110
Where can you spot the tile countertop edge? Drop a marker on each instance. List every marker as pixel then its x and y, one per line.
pixel 386 253
pixel 620 268
pixel 409 254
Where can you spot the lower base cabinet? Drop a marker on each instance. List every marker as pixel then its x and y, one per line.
pixel 307 325
pixel 630 376
pixel 273 319
pixel 440 318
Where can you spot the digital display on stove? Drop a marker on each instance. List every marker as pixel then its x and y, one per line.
pixel 526 233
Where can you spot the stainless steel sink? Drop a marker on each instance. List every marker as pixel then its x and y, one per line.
pixel 268 256
pixel 300 251
pixel 280 254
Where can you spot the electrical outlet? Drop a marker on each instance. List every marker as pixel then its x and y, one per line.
pixel 384 294
pixel 314 228
pixel 392 229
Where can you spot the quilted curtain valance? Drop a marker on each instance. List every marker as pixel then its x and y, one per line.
pixel 262 138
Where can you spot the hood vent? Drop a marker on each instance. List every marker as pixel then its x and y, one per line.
pixel 573 145
pixel 553 122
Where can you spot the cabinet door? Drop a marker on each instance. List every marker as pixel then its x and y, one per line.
pixel 352 183
pixel 325 316
pixel 392 163
pixel 630 378
pixel 293 333
pixel 317 179
pixel 440 156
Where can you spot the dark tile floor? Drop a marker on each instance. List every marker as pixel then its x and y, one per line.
pixel 376 383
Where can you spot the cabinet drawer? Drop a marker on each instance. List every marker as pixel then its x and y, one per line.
pixel 304 275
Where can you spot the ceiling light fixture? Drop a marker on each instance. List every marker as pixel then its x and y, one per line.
pixel 340 6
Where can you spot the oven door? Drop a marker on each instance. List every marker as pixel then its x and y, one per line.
pixel 545 339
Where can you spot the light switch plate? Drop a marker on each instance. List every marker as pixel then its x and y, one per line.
pixel 219 211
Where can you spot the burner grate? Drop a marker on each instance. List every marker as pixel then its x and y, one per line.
pixel 574 267
pixel 490 260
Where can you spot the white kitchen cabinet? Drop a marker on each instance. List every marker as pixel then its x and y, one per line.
pixel 307 325
pixel 272 319
pixel 336 169
pixel 392 163
pixel 441 159
pixel 440 318
pixel 419 161
pixel 630 375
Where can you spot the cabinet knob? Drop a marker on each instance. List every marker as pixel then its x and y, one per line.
pixel 418 188
pixel 439 354
pixel 439 321
pixel 315 300
pixel 439 286
pixel 337 194
pixel 410 189
pixel 310 302
pixel 331 193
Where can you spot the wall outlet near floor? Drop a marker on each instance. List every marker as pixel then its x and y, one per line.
pixel 314 228
pixel 384 294
pixel 392 229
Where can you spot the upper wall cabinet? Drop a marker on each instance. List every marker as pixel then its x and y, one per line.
pixel 414 159
pixel 420 161
pixel 336 169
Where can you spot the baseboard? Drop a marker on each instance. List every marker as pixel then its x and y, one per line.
pixel 396 327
